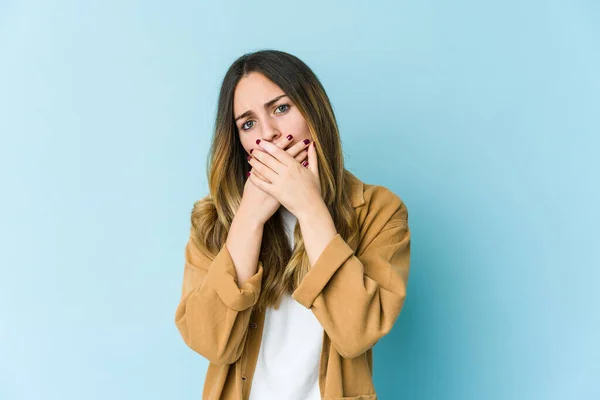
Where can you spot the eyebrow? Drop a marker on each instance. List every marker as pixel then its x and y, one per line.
pixel 267 105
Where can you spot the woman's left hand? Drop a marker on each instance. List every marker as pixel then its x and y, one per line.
pixel 294 185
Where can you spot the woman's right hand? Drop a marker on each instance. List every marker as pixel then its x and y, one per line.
pixel 261 204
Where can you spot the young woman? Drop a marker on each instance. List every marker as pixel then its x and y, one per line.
pixel 294 268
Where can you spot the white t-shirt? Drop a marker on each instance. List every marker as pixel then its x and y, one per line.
pixel 288 359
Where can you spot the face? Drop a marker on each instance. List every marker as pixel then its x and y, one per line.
pixel 263 111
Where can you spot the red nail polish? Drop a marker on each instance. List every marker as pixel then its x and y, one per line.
pixel 257 141
pixel 248 173
pixel 249 158
pixel 290 137
pixel 305 163
pixel 306 141
pixel 251 150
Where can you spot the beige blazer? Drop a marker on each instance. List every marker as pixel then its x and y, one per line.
pixel 356 295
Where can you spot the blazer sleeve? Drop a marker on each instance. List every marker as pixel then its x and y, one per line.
pixel 214 312
pixel 357 298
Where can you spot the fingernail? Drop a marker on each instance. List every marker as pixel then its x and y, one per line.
pixel 306 141
pixel 305 163
pixel 248 173
pixel 251 150
pixel 257 141
pixel 249 158
pixel 290 137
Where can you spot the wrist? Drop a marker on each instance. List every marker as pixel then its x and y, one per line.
pixel 315 212
pixel 248 217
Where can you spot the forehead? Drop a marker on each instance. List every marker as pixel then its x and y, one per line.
pixel 252 91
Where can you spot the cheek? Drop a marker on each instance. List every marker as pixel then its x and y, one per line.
pixel 298 125
pixel 248 144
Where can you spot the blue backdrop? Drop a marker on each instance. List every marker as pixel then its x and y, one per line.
pixel 483 116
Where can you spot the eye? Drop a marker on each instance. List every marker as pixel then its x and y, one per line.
pixel 286 108
pixel 245 129
pixel 283 105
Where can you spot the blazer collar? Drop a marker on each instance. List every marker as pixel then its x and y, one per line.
pixel 357 196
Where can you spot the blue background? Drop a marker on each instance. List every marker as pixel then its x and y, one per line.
pixel 482 115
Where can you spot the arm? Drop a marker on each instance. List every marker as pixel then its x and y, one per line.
pixel 357 298
pixel 214 310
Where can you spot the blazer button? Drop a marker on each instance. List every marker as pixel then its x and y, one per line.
pixel 253 325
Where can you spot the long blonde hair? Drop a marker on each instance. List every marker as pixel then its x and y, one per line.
pixel 211 216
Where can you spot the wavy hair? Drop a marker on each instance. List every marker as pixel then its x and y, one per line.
pixel 211 217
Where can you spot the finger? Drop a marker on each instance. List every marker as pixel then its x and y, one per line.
pixel 297 148
pixel 312 159
pixel 259 175
pixel 301 156
pixel 269 161
pixel 285 144
pixel 304 161
pixel 278 154
pixel 258 164
pixel 259 182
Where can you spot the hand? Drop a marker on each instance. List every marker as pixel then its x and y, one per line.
pixel 262 204
pixel 294 185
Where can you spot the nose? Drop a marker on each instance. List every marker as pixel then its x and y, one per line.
pixel 270 133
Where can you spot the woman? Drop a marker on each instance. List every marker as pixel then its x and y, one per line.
pixel 294 267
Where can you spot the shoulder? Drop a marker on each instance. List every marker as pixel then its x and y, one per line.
pixel 380 197
pixel 372 200
pixel 382 219
pixel 382 208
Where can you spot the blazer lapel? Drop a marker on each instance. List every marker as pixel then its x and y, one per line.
pixel 357 196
